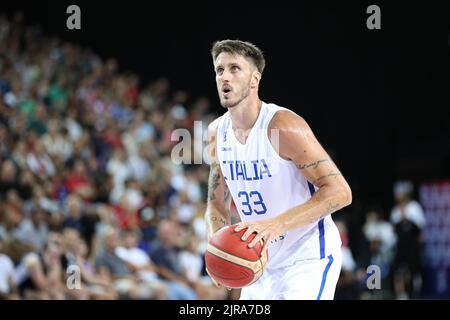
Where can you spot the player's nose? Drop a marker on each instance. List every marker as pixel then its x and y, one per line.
pixel 225 76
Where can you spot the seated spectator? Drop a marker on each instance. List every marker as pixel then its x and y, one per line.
pixel 136 258
pixel 40 276
pixel 72 125
pixel 116 270
pixel 165 255
pixel 149 222
pixel 39 162
pixel 5 142
pixel 79 182
pixel 129 137
pixel 19 155
pixel 185 208
pixel 117 167
pixel 76 250
pixel 191 262
pixel 77 218
pixel 56 144
pixel 33 230
pixel 13 179
pixel 138 165
pixel 111 135
pixel 133 194
pixel 37 116
pixel 8 288
pixel 140 262
pixel 381 242
pixel 43 200
pixel 99 287
pixel 11 214
pixel 126 215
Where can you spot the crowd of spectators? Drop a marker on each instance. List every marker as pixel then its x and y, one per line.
pixel 390 246
pixel 86 177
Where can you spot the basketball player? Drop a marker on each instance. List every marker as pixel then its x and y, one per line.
pixel 283 183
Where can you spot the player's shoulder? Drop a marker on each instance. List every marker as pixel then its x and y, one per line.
pixel 212 134
pixel 215 123
pixel 212 127
pixel 286 119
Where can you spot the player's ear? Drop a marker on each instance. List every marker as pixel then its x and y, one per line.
pixel 256 77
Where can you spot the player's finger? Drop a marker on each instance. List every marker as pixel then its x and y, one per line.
pixel 256 239
pixel 265 245
pixel 240 226
pixel 247 233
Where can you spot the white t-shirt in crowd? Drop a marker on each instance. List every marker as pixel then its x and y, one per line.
pixel 413 212
pixel 28 232
pixel 382 231
pixel 138 258
pixel 6 271
pixel 191 264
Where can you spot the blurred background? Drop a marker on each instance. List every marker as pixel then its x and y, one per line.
pixel 86 116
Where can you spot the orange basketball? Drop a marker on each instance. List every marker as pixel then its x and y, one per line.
pixel 231 262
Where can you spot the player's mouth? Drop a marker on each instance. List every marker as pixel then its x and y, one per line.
pixel 226 90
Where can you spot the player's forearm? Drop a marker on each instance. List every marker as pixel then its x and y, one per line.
pixel 324 202
pixel 216 220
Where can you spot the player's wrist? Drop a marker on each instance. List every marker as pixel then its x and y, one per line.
pixel 281 224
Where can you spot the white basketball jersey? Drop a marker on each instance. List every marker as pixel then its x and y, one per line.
pixel 264 185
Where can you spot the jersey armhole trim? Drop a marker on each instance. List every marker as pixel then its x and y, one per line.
pixel 272 149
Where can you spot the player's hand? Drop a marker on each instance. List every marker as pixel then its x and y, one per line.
pixel 265 230
pixel 218 285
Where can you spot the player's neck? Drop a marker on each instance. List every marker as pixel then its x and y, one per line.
pixel 244 115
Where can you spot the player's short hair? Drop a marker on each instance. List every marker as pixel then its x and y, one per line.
pixel 243 48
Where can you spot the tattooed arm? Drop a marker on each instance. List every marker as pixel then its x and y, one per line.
pixel 218 203
pixel 298 144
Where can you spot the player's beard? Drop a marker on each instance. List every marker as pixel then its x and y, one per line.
pixel 230 103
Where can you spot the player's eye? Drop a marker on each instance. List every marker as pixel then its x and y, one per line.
pixel 234 68
pixel 219 71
